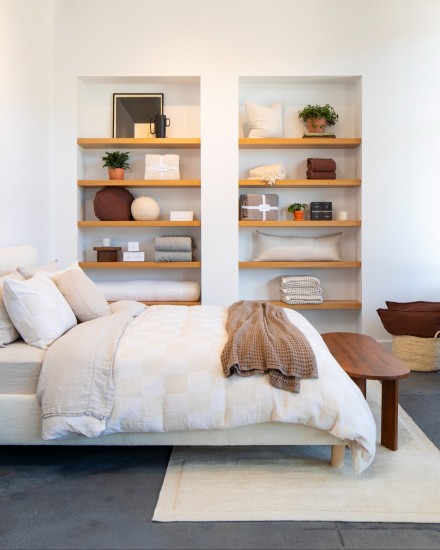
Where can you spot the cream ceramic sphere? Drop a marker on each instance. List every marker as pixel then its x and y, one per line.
pixel 145 208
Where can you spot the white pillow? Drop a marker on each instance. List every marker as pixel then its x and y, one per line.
pixel 28 272
pixel 82 294
pixel 8 333
pixel 276 248
pixel 263 121
pixel 38 310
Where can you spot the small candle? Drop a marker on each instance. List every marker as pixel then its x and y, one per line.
pixel 106 241
pixel 343 215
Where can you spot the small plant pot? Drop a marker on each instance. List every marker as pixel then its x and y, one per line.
pixel 316 125
pixel 116 173
pixel 298 215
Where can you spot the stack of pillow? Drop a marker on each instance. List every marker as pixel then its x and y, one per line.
pixel 41 304
pixel 420 319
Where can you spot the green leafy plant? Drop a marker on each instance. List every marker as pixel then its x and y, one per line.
pixel 116 159
pixel 319 111
pixel 296 206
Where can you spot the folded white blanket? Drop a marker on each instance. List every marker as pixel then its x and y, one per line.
pixel 302 299
pixel 162 167
pixel 268 173
pixel 314 291
pixel 286 280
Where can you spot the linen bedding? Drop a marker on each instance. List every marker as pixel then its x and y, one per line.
pixel 160 371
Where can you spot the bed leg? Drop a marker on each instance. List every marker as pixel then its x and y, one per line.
pixel 337 457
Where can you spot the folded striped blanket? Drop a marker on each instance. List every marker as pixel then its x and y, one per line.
pixel 314 291
pixel 302 299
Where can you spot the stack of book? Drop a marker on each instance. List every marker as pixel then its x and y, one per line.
pixel 181 216
pixel 318 135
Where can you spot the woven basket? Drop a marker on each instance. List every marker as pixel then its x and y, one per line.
pixel 420 354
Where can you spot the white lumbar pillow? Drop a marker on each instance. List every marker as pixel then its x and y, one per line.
pixel 38 310
pixel 264 121
pixel 8 333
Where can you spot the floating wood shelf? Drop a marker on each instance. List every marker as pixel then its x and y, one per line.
pixel 280 184
pixel 155 223
pixel 139 183
pixel 198 303
pixel 326 304
pixel 140 265
pixel 299 143
pixel 298 224
pixel 282 265
pixel 139 143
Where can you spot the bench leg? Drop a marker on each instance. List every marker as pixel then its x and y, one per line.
pixel 337 457
pixel 361 383
pixel 389 420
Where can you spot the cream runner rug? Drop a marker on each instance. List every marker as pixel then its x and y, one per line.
pixel 298 484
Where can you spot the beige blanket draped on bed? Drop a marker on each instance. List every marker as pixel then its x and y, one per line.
pixel 261 339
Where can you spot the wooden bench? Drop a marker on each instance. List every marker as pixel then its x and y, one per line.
pixel 363 358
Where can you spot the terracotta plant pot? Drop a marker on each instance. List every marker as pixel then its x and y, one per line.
pixel 316 125
pixel 116 173
pixel 298 215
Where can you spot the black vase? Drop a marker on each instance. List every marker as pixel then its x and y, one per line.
pixel 161 123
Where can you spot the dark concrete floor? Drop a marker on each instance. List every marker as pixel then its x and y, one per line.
pixel 104 498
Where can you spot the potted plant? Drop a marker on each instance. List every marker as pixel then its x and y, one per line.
pixel 117 163
pixel 317 117
pixel 298 210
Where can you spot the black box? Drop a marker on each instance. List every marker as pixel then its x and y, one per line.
pixel 321 206
pixel 321 215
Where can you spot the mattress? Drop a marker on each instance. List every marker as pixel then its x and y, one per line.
pixel 150 291
pixel 20 366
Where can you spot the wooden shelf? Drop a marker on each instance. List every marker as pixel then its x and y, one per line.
pixel 139 143
pixel 282 265
pixel 139 265
pixel 139 183
pixel 280 184
pixel 299 224
pixel 155 223
pixel 299 143
pixel 326 304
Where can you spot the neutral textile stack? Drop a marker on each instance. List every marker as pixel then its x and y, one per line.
pixel 321 169
pixel 173 249
pixel 300 289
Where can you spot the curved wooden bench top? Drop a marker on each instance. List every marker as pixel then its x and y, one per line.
pixel 361 356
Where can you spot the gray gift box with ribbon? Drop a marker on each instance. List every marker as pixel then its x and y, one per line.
pixel 259 207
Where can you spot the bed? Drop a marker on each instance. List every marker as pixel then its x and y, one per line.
pixel 167 387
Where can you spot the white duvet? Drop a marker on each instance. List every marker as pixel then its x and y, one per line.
pixel 168 377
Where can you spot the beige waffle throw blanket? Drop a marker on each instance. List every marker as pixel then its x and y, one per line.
pixel 261 339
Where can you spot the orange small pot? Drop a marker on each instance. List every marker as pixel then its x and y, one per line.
pixel 116 173
pixel 316 125
pixel 298 215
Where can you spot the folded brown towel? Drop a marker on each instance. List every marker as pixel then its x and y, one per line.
pixel 321 165
pixel 311 175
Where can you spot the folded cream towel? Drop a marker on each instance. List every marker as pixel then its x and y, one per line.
pixel 310 291
pixel 162 167
pixel 302 299
pixel 268 173
pixel 300 279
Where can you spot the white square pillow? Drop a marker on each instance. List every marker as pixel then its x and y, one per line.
pixel 38 310
pixel 276 248
pixel 264 121
pixel 82 294
pixel 28 272
pixel 8 333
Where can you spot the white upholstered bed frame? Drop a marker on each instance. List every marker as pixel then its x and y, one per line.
pixel 20 418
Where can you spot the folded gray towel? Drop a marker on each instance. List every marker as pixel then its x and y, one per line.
pixel 173 243
pixel 170 256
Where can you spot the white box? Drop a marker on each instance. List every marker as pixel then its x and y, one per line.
pixel 134 256
pixel 162 167
pixel 186 215
pixel 133 246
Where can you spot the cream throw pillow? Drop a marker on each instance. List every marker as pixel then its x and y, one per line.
pixel 276 248
pixel 264 121
pixel 8 333
pixel 28 272
pixel 38 310
pixel 82 294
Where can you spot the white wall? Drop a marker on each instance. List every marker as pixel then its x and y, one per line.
pixel 25 123
pixel 392 45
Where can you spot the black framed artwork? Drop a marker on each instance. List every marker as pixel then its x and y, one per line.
pixel 132 114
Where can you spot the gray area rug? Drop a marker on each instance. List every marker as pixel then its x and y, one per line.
pixel 297 483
